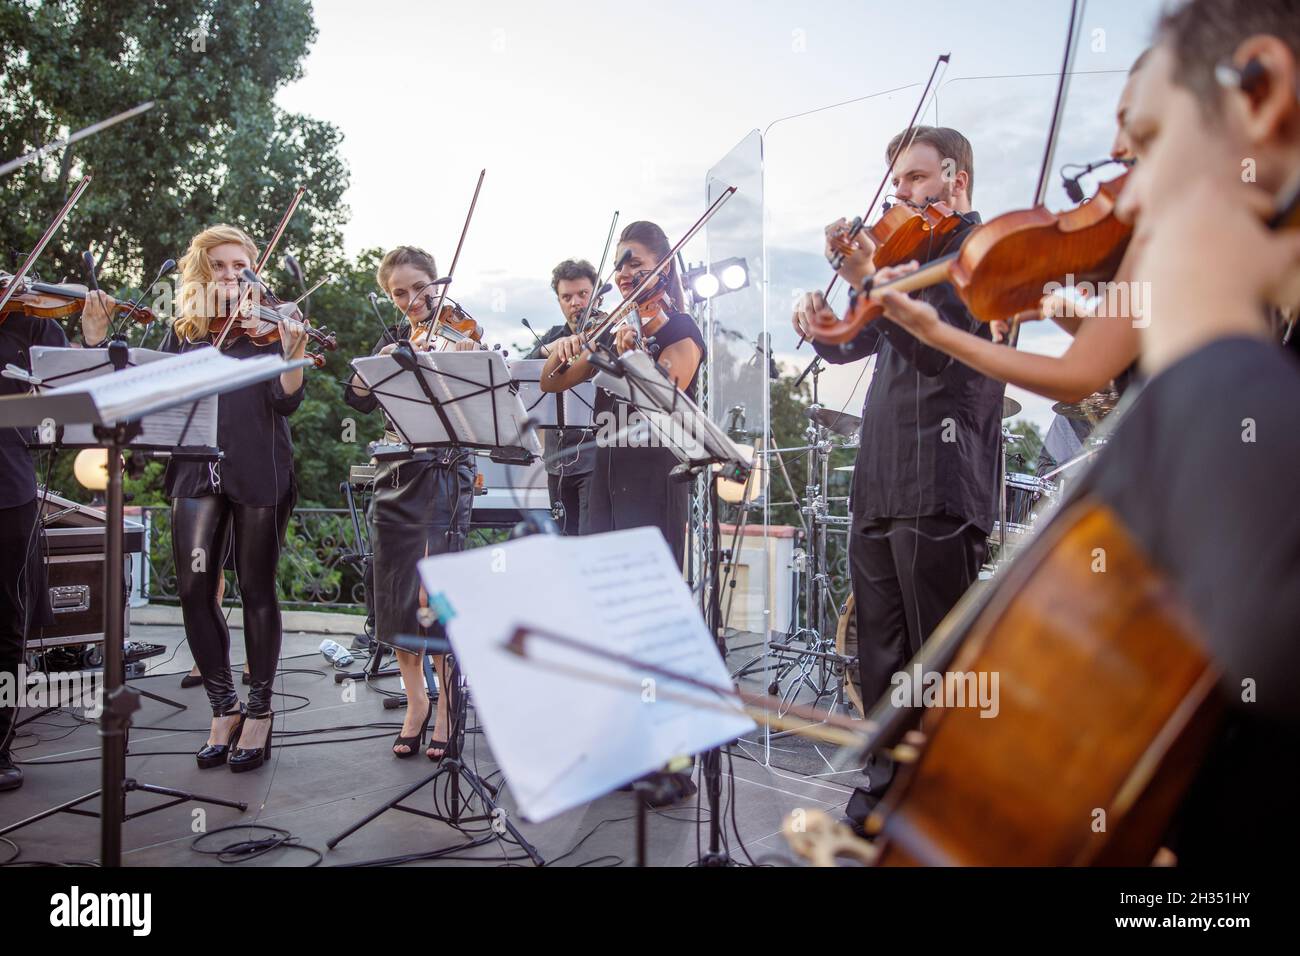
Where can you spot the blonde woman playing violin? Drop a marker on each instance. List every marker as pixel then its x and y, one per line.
pixel 241 503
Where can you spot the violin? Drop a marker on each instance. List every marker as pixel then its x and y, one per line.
pixel 46 300
pixel 646 304
pixel 905 232
pixel 260 324
pixel 1004 264
pixel 452 326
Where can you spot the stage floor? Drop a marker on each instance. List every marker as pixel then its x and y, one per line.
pixel 332 765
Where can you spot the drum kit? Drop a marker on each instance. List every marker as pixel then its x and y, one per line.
pixel 823 662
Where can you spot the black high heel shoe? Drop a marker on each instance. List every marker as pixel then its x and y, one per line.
pixel 242 760
pixel 412 744
pixel 214 755
pixel 191 680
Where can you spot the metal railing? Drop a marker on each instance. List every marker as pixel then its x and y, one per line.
pixel 321 564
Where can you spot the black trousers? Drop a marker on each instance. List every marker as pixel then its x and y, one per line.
pixel 907 575
pixel 22 593
pixel 201 530
pixel 569 497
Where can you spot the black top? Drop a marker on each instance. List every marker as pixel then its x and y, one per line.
pixel 931 426
pixel 679 326
pixel 1201 470
pixel 568 451
pixel 450 456
pixel 17 336
pixel 252 432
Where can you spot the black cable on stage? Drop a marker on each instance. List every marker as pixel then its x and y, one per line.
pixel 241 851
pixel 731 773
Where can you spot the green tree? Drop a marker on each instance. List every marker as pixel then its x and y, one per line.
pixel 215 147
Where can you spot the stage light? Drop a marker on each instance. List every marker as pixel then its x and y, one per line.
pixel 717 278
pixel 735 276
pixel 91 468
pixel 705 285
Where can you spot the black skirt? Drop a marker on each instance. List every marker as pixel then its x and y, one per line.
pixel 419 508
pixel 631 488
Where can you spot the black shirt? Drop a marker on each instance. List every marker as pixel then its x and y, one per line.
pixel 568 451
pixel 18 334
pixel 252 432
pixel 1201 470
pixel 931 426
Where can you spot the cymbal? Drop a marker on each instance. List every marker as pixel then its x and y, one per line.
pixel 1091 409
pixel 1010 407
pixel 840 423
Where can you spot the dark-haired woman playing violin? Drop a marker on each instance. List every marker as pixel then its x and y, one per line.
pixel 244 502
pixel 630 486
pixel 421 506
pixel 24 599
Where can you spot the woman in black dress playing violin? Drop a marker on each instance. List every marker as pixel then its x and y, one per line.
pixel 245 499
pixel 421 505
pixel 631 486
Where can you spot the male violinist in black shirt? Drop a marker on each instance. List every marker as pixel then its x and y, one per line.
pixel 24 603
pixel 570 452
pixel 925 480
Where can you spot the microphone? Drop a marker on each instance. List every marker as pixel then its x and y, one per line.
pixel 528 325
pixel 165 269
pixel 383 326
pixel 291 266
pixel 88 266
pixel 405 357
pixel 426 295
pixel 1071 183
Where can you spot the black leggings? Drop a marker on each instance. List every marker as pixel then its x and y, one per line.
pixel 201 528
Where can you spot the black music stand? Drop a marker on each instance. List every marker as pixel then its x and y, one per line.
pixel 116 406
pixel 475 404
pixel 573 408
pixel 637 378
pixel 182 431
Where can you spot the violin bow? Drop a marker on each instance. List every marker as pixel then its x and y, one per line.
pixel 600 282
pixel 266 256
pixel 904 143
pixel 442 294
pixel 1054 128
pixel 17 278
pixel 653 274
pixel 860 224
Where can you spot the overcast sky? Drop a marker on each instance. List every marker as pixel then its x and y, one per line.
pixel 581 108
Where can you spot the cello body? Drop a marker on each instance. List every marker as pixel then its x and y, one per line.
pixel 1106 705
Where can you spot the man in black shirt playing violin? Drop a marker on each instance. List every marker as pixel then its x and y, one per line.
pixel 927 466
pixel 570 453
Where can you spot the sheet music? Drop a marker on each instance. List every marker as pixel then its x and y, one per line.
pixel 189 424
pixel 690 434
pixel 133 393
pixel 579 402
pixel 472 388
pixel 564 740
